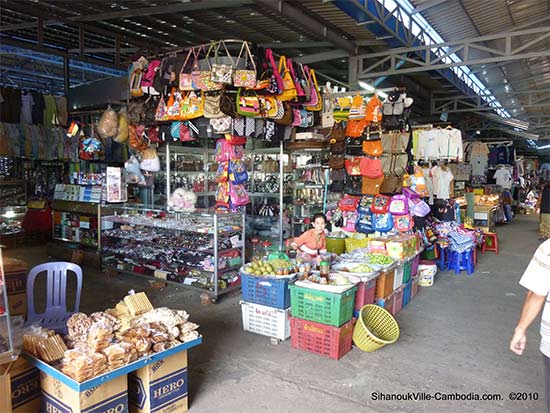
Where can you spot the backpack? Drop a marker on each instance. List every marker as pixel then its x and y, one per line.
pixel 237 172
pixel 382 222
pixel 365 205
pixel 403 223
pixel 380 204
pixel 364 224
pixel 348 203
pixel 238 195
pixel 399 205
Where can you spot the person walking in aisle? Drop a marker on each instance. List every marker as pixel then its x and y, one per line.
pixel 536 279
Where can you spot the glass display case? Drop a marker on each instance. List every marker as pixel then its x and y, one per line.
pixel 202 249
pixel 310 186
pixel 6 338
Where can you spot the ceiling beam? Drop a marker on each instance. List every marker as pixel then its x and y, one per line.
pixel 166 9
pixel 295 45
pixel 428 4
pixel 308 22
pixel 323 56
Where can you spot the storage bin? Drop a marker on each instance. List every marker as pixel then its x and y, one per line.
pixel 321 306
pixel 329 341
pixel 398 277
pixel 384 283
pixel 267 321
pixel 272 292
pixel 407 291
pixel 374 329
pixel 365 294
pixel 414 289
pixel 397 300
pixel 415 262
pixel 386 303
pixel 407 269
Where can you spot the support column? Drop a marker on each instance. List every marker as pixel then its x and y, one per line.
pixel 66 77
pixel 353 71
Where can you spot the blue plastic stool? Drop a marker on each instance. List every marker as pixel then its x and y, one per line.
pixel 462 261
pixel 56 313
pixel 443 259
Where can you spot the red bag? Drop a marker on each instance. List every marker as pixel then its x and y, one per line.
pixel 353 166
pixel 371 167
pixel 381 204
pixel 349 203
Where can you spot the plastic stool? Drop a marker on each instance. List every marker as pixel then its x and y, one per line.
pixel 443 257
pixel 462 261
pixel 493 239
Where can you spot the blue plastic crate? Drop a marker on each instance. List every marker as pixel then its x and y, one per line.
pixel 407 293
pixel 272 292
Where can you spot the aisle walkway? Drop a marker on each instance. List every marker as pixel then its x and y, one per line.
pixel 454 338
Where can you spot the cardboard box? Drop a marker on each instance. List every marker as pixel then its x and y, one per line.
pixel 18 304
pixel 24 387
pixel 160 387
pixel 110 397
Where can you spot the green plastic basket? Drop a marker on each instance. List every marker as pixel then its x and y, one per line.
pixel 323 307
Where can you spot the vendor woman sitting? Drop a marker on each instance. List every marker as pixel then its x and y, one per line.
pixel 312 242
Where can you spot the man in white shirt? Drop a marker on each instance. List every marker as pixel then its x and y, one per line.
pixel 536 279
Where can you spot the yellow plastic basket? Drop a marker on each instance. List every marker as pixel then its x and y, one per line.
pixel 375 328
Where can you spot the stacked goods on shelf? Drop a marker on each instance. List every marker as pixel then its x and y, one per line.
pixel 266 297
pixel 231 174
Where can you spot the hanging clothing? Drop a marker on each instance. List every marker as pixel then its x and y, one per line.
pixel 479 164
pixel 503 177
pixel 50 111
pixel 427 145
pixel 429 184
pixel 38 108
pixel 450 144
pixel 27 103
pixel 61 106
pixel 442 181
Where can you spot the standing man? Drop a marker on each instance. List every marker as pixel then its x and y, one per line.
pixel 536 279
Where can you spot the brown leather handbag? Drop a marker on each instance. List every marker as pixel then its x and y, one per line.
pixel 336 162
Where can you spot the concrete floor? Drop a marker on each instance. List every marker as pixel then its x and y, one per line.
pixel 454 338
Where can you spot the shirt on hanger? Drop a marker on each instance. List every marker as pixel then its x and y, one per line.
pixel 479 164
pixel 427 144
pixel 449 142
pixel 441 181
pixel 503 178
pixel 27 102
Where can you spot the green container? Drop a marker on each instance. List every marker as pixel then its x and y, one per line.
pixel 407 270
pixel 336 245
pixel 332 309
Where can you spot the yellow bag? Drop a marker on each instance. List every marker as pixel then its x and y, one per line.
pixel 289 89
pixel 191 105
pixel 319 106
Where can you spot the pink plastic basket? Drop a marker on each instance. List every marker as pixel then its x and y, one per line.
pixel 365 293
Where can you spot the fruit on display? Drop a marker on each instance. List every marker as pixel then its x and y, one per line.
pixel 361 268
pixel 380 259
pixel 276 266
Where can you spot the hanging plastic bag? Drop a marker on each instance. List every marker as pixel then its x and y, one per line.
pixel 108 124
pixel 122 135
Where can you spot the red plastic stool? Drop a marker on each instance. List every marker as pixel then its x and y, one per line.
pixel 492 237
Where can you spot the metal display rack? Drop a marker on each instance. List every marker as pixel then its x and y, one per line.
pixel 5 321
pixel 134 229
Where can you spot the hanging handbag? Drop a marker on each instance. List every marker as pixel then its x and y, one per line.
pixel 373 112
pixel 161 113
pixel 221 125
pixel 300 92
pixel 364 224
pixel 353 166
pixel 392 184
pixel 276 83
pixel 288 116
pixel 372 148
pixel 371 186
pixel 222 173
pixel 395 142
pixel 185 78
pixel 222 73
pixel 212 109
pixel 336 162
pixel 353 185
pixel 245 77
pixel 202 77
pixel 337 147
pixel 192 105
pixel 288 91
pixel 315 94
pixel 355 128
pixel 174 105
pixel 365 205
pixel 228 105
pixel 248 103
pixel 269 106
pixel 357 109
pixel 371 167
pixel 399 205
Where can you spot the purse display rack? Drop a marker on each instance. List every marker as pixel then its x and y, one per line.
pixel 202 250
pixel 309 187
